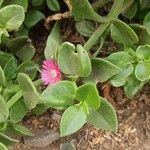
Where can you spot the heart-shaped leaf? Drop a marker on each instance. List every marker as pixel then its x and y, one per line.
pixel 30 94
pixel 71 63
pixel 105 117
pixel 88 93
pixel 122 33
pixel 142 70
pixel 60 95
pixel 72 120
pixel 4 111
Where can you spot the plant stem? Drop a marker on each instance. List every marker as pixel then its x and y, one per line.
pixel 96 35
pixel 14 99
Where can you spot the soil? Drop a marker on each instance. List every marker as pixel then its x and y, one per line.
pixel 133 115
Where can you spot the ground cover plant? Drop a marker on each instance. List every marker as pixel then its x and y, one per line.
pixel 70 74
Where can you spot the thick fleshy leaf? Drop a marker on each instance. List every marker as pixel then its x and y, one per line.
pixel 3 147
pixel 120 59
pixel 122 33
pixel 11 17
pixel 30 94
pixel 19 130
pixel 71 63
pixel 72 120
pixel 53 5
pixel 7 140
pixel 23 3
pixel 18 111
pixel 102 70
pixel 53 42
pixel 4 111
pixel 129 9
pixel 88 93
pixel 60 95
pixel 105 117
pixel 85 28
pixel 120 79
pixel 36 3
pixel 10 68
pixel 132 86
pixel 2 77
pixel 143 52
pixel 142 71
pixel 146 22
pixel 28 67
pixel 33 17
pixel 26 53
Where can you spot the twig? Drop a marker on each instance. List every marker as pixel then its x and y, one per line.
pixel 56 17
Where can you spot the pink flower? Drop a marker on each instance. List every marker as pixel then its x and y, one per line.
pixel 50 73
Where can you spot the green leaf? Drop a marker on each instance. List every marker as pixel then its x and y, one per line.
pixel 11 17
pixel 120 59
pixel 19 130
pixel 88 93
pixel 10 68
pixel 72 120
pixel 30 94
pixel 122 33
pixel 4 111
pixel 102 70
pixel 130 9
pixel 71 63
pixel 4 58
pixel 33 17
pixel 26 53
pixel 132 86
pixel 2 77
pixel 120 79
pixel 36 3
pixel 146 22
pixel 53 42
pixel 17 43
pixel 28 67
pixel 18 111
pixel 142 70
pixel 60 95
pixel 23 3
pixel 82 10
pixel 143 52
pixel 104 118
pixel 53 5
pixel 85 28
pixel 1 1
pixel 7 140
pixel 3 147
